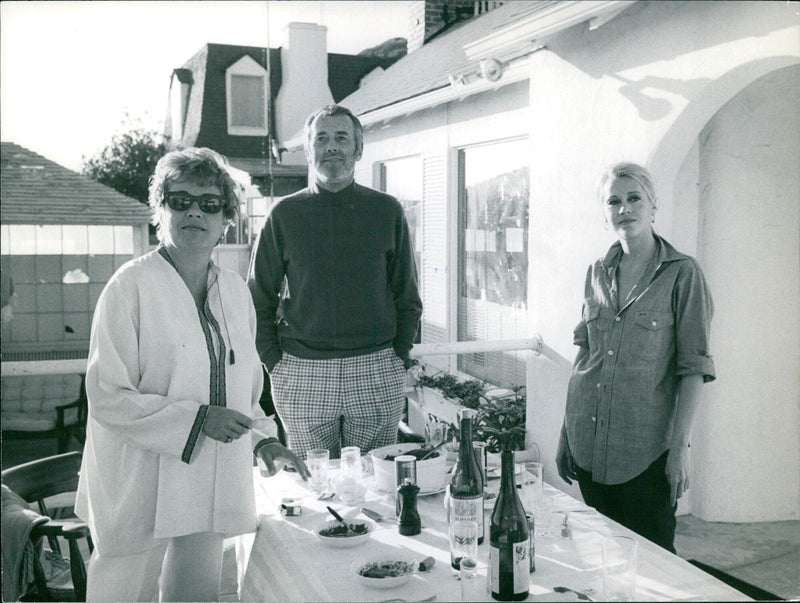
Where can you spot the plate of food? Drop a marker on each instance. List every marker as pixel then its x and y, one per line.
pixel 334 534
pixel 389 571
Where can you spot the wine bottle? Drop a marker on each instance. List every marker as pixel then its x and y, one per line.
pixel 466 484
pixel 508 539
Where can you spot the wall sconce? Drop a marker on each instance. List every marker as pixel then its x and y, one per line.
pixel 490 70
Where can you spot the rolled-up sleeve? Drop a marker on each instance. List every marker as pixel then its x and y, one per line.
pixel 694 309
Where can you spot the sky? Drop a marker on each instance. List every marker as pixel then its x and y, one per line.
pixel 70 72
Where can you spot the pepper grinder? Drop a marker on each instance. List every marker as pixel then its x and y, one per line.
pixel 408 520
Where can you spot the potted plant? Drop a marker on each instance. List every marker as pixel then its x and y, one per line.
pixel 501 418
pixel 501 412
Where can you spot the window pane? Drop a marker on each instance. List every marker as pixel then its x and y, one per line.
pixel 5 239
pixel 247 101
pixel 123 240
pixel 403 179
pixel 75 239
pixel 493 256
pixel 48 239
pixel 23 239
pixel 101 240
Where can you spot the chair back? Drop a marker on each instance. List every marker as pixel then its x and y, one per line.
pixel 36 480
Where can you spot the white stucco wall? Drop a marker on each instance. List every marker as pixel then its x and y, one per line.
pixel 642 88
pixel 748 245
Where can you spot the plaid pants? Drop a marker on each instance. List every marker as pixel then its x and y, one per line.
pixel 336 402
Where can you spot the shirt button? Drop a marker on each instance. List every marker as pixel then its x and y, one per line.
pixel 654 323
pixel 617 318
pixel 599 385
pixel 594 419
pixel 610 352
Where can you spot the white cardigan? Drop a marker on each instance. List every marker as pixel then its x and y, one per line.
pixel 148 374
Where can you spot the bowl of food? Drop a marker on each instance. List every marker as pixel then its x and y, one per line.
pixel 334 534
pixel 431 472
pixel 389 571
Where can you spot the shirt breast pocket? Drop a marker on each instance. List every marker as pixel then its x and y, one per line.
pixel 654 333
pixel 595 326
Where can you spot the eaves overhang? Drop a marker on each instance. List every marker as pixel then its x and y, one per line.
pixel 508 47
pixel 547 19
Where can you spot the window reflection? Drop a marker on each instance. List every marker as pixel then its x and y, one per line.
pixel 493 255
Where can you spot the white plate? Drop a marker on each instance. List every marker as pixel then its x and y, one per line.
pixel 388 582
pixel 432 492
pixel 344 542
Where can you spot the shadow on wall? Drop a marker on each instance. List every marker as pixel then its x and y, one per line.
pixel 547 380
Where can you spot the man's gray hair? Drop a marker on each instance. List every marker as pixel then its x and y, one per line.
pixel 331 111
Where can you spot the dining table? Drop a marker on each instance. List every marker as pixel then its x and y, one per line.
pixel 285 560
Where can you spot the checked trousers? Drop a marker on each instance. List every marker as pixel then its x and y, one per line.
pixel 337 402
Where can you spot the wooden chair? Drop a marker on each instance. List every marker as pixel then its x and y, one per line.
pixel 62 422
pixel 34 482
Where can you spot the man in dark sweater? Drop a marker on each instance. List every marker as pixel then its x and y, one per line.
pixel 335 290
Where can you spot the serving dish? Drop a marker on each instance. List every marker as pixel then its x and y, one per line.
pixel 331 534
pixel 431 472
pixel 388 571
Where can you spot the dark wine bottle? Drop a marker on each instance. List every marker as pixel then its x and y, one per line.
pixel 508 539
pixel 466 485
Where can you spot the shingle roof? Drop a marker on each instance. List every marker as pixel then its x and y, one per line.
pixel 429 67
pixel 35 190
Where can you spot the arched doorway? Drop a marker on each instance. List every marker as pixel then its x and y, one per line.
pixel 737 208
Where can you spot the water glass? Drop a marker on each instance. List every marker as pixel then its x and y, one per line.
pixel 349 484
pixel 463 542
pixel 481 450
pixel 318 461
pixel 435 433
pixel 547 523
pixel 532 486
pixel 620 555
pixel 471 587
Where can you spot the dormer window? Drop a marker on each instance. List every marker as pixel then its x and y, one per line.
pixel 247 94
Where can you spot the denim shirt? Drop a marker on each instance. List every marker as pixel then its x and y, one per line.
pixel 621 397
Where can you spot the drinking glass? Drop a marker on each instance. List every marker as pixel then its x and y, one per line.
pixel 463 542
pixel 480 456
pixel 435 433
pixel 318 462
pixel 349 484
pixel 532 486
pixel 619 568
pixel 471 586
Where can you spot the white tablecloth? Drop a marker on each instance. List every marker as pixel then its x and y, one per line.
pixel 286 562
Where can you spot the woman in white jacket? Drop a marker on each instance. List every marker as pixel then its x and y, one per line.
pixel 173 383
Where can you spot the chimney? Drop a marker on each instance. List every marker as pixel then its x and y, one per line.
pixel 304 74
pixel 426 17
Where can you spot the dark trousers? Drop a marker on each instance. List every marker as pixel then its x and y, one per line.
pixel 641 505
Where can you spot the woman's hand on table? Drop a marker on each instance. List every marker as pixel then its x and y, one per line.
pixel 225 424
pixel 276 456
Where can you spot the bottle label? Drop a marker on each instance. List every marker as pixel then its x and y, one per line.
pixel 514 559
pixel 468 509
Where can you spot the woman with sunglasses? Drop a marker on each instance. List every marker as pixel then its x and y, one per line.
pixel 173 382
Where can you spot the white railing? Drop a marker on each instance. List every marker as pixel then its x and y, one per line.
pixel 43 367
pixel 535 344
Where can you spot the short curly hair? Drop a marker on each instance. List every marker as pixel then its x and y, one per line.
pixel 200 166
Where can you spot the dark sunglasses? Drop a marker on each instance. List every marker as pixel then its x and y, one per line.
pixel 181 201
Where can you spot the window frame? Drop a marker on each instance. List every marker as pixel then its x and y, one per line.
pixel 246 67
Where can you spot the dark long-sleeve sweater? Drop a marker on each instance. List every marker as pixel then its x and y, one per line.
pixel 333 275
